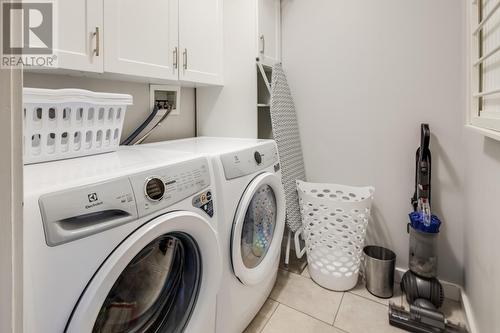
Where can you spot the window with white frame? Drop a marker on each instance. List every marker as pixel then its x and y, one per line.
pixel 485 65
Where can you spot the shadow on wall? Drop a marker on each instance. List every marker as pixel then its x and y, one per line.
pixel 446 181
pixel 377 232
pixel 207 99
pixel 491 148
pixel 449 183
pixel 441 165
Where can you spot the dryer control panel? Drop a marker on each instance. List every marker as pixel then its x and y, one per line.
pixel 249 161
pixel 160 188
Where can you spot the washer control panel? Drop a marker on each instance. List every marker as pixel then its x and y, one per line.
pixel 79 212
pixel 160 188
pixel 249 161
pixel 204 202
pixel 154 189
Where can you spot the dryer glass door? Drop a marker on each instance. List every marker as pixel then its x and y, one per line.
pixel 258 226
pixel 258 229
pixel 157 289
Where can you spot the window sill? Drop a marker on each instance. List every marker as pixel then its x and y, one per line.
pixel 486 132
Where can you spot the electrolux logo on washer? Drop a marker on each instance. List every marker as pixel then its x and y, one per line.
pixel 93 200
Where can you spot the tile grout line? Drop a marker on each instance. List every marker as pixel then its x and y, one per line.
pixel 272 315
pixel 369 299
pixel 338 310
pixel 340 329
pixel 335 319
pixel 343 293
pixel 291 307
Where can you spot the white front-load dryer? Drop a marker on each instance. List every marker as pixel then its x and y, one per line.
pixel 251 223
pixel 121 242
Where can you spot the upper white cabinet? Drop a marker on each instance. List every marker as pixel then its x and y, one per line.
pixel 269 35
pixel 200 41
pixel 80 27
pixel 141 38
pixel 153 40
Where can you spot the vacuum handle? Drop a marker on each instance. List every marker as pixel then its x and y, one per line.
pixel 423 168
pixel 425 138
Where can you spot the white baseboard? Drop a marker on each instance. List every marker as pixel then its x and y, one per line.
pixel 468 312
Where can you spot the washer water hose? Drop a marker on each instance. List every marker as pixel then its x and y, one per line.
pixel 130 139
pixel 158 124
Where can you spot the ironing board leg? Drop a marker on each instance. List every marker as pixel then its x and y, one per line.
pixel 287 254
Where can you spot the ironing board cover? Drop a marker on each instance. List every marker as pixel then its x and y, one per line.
pixel 286 134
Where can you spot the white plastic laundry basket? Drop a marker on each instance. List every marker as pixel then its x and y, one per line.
pixel 334 221
pixel 67 123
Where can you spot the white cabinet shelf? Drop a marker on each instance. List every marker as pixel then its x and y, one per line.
pixel 264 127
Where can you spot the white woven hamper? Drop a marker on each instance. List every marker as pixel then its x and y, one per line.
pixel 334 221
pixel 65 123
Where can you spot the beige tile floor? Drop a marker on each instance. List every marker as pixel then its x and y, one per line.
pixel 297 304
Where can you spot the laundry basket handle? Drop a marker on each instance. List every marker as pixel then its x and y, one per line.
pixel 298 251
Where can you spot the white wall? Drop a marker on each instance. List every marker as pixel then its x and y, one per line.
pixel 231 110
pixel 175 127
pixel 482 230
pixel 364 75
pixel 482 194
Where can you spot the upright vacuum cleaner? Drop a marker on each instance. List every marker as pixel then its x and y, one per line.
pixel 420 285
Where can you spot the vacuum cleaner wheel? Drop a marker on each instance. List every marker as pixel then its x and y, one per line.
pixel 415 287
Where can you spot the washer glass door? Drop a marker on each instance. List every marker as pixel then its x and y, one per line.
pixel 156 291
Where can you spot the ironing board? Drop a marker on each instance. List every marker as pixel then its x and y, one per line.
pixel 286 134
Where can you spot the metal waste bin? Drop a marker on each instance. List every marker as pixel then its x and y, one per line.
pixel 379 265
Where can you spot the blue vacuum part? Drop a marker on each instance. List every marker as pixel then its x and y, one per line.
pixel 417 223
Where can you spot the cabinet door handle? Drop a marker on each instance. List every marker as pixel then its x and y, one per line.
pixel 97 49
pixel 176 58
pixel 262 44
pixel 185 54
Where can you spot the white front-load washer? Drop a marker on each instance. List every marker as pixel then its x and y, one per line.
pixel 121 242
pixel 252 202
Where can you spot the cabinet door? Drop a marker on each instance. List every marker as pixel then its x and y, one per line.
pixel 141 38
pixel 79 33
pixel 269 31
pixel 200 41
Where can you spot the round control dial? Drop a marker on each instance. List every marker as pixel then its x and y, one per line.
pixel 258 157
pixel 154 189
